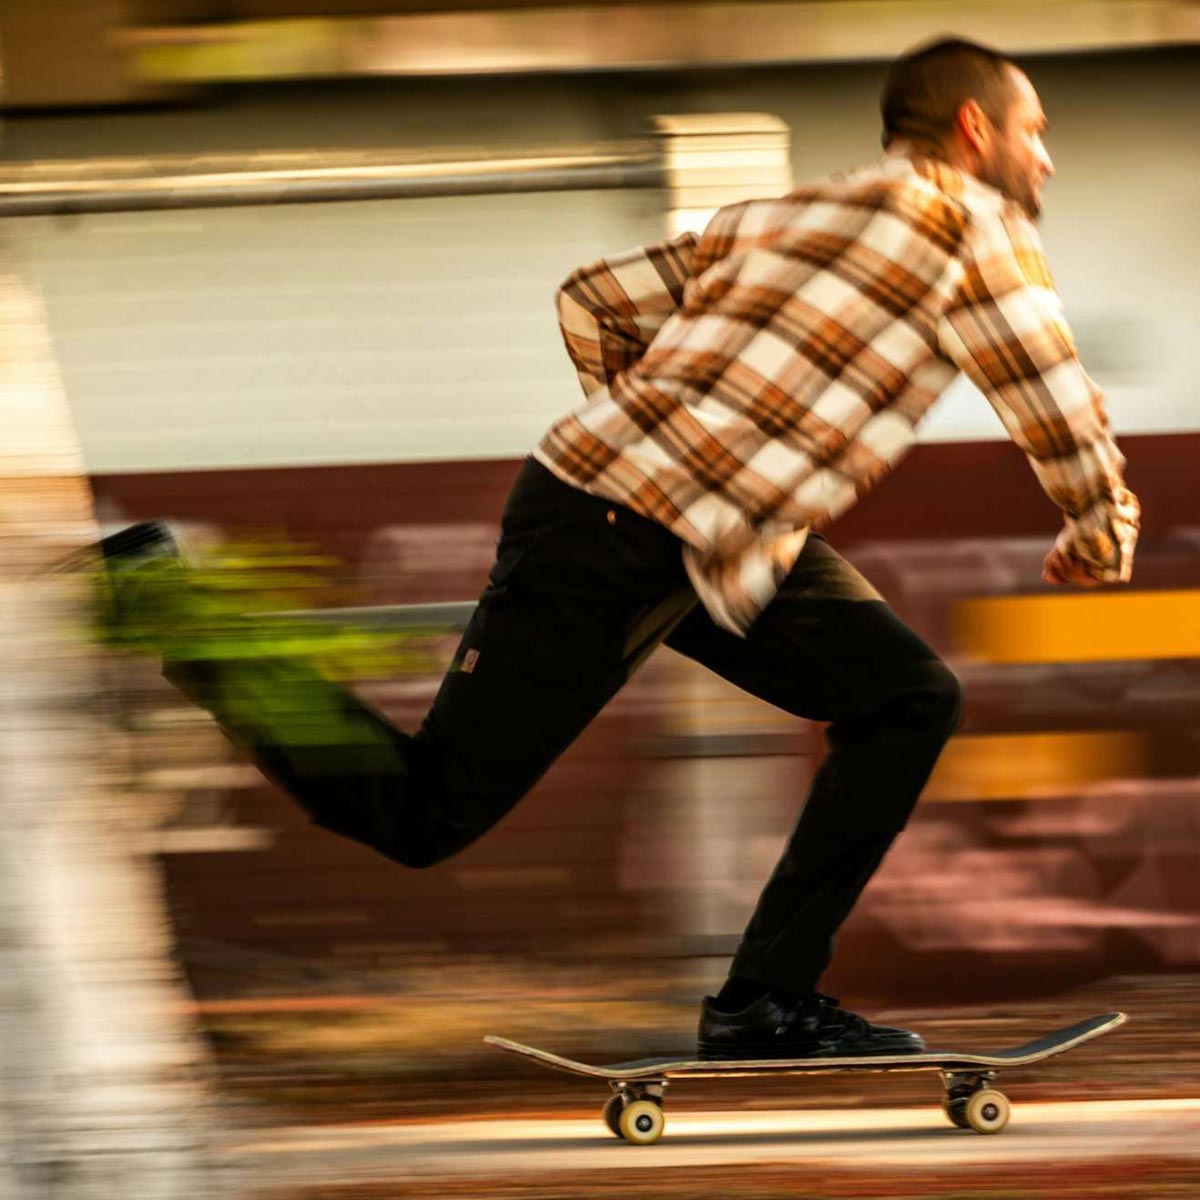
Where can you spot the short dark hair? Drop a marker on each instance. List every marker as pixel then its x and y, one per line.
pixel 925 89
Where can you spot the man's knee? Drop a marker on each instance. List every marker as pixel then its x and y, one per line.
pixel 416 849
pixel 926 703
pixel 421 853
pixel 934 703
pixel 418 858
pixel 434 822
pixel 889 748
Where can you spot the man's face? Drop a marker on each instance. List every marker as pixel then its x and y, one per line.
pixel 1016 162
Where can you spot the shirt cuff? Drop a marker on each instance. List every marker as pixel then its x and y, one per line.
pixel 1103 538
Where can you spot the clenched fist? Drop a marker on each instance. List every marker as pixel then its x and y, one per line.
pixel 1060 568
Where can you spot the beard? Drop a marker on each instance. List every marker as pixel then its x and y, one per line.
pixel 1011 180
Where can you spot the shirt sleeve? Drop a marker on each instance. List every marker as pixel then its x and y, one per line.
pixel 610 311
pixel 1005 329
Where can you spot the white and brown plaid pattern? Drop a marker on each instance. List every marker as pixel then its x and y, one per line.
pixel 750 384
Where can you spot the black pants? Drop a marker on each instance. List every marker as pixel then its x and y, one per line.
pixel 581 592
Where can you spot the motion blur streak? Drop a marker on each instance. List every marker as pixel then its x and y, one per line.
pixel 1026 766
pixel 1080 628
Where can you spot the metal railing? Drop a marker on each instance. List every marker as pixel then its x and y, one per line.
pixel 139 185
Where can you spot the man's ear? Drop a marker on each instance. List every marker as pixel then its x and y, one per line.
pixel 973 126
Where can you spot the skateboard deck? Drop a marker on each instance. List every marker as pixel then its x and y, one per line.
pixel 634 1111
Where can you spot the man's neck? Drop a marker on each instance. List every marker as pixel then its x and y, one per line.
pixel 919 148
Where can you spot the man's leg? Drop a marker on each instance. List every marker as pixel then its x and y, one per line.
pixel 828 648
pixel 580 592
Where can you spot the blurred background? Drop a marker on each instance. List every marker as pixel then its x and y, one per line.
pixel 288 265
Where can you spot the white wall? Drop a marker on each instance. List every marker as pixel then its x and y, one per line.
pixel 335 333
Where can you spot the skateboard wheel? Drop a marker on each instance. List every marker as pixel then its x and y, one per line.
pixel 955 1108
pixel 612 1114
pixel 987 1111
pixel 641 1122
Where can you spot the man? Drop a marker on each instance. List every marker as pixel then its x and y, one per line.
pixel 744 387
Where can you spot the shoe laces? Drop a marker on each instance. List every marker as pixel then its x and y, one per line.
pixel 832 1013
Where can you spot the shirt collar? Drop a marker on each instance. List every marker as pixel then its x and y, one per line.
pixel 903 156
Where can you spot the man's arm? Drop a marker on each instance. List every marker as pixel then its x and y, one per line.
pixel 1005 330
pixel 610 311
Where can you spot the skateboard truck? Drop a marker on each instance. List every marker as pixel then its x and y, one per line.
pixel 634 1110
pixel 970 1102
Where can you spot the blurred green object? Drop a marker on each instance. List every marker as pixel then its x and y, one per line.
pixel 248 629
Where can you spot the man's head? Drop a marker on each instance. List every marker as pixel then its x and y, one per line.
pixel 977 109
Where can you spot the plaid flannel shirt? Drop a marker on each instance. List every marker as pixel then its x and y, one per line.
pixel 750 384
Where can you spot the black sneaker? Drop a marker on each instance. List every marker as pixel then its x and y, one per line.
pixel 133 544
pixel 812 1027
pixel 147 539
pixel 139 574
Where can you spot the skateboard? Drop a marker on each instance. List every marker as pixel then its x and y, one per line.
pixel 635 1109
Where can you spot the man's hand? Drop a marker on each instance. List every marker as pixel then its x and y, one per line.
pixel 1063 569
